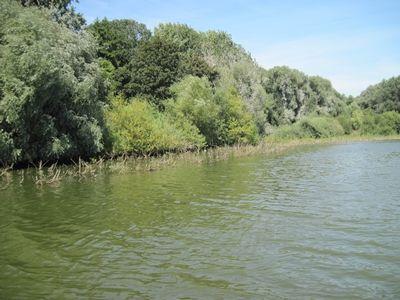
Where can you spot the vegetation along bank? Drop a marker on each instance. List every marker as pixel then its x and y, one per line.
pixel 72 92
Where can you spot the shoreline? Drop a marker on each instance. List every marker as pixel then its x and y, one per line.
pixel 54 174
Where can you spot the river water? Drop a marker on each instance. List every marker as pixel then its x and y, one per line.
pixel 315 222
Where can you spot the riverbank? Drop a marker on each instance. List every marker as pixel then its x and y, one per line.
pixel 52 175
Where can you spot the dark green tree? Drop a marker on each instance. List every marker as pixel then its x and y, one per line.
pixel 382 97
pixel 118 39
pixel 157 64
pixel 60 4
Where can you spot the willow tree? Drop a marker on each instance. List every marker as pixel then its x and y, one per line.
pixel 51 88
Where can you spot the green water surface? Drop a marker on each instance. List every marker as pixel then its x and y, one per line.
pixel 316 222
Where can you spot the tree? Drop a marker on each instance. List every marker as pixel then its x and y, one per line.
pixel 325 99
pixel 289 90
pixel 118 39
pixel 138 127
pixel 62 11
pixel 51 89
pixel 183 36
pixel 219 50
pixel 294 95
pixel 60 4
pixel 157 64
pixel 219 113
pixel 382 97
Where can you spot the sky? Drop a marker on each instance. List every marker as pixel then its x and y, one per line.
pixel 352 43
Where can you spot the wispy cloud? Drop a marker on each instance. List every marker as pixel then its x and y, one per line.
pixel 349 61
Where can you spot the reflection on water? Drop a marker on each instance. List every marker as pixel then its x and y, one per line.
pixel 316 222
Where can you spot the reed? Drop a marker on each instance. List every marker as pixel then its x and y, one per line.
pixel 83 170
pixel 47 176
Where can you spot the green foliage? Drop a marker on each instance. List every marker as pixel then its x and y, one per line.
pixel 118 39
pixel 153 69
pixel 194 101
pixel 220 115
pixel 346 123
pixel 61 4
pixel 51 87
pixel 157 64
pixel 238 126
pixel 311 127
pixel 289 90
pixel 325 99
pixel 245 76
pixel 295 95
pixel 220 51
pixel 61 11
pixel 184 37
pixel 137 127
pixel 236 67
pixel 382 97
pixel 292 131
pixel 369 123
pixel 8 153
pixel 186 90
pixel 320 127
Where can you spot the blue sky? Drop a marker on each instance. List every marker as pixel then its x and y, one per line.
pixel 352 43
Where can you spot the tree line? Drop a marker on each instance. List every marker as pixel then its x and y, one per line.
pixel 70 90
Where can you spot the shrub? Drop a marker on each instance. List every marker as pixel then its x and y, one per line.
pixel 51 88
pixel 238 124
pixel 319 127
pixel 219 114
pixel 369 123
pixel 195 102
pixel 138 127
pixel 8 153
pixel 293 131
pixel 346 123
pixel 313 127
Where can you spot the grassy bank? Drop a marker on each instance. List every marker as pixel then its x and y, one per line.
pixel 52 175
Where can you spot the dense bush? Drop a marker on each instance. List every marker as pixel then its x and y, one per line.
pixel 369 123
pixel 51 89
pixel 312 127
pixel 362 122
pixel 236 67
pixel 295 95
pixel 137 127
pixel 185 89
pixel 8 153
pixel 320 127
pixel 238 125
pixel 292 131
pixel 346 123
pixel 219 113
pixel 382 97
